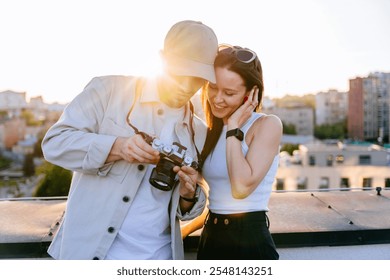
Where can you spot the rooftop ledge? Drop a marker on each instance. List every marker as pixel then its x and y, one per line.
pixel 304 225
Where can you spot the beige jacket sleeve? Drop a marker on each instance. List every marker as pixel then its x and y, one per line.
pixel 74 141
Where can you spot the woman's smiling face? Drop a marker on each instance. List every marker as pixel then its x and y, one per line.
pixel 227 94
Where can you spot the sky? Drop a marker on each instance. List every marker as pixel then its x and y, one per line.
pixel 53 48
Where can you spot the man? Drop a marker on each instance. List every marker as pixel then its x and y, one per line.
pixel 113 211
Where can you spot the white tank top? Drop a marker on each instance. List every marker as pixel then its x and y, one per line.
pixel 215 172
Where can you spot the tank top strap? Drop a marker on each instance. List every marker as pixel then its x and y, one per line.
pixel 246 127
pixel 250 121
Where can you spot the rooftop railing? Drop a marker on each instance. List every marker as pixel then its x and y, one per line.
pixel 305 224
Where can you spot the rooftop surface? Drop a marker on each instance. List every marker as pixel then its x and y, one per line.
pixel 305 225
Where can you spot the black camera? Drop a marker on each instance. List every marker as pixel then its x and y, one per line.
pixel 163 177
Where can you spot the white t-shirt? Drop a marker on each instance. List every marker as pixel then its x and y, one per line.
pixel 145 233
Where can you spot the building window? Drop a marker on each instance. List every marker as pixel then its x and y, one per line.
pixel 367 183
pixel 324 183
pixel 301 183
pixel 344 184
pixel 387 183
pixel 339 158
pixel 364 159
pixel 312 160
pixel 279 184
pixel 329 160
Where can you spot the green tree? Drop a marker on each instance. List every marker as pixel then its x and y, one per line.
pixel 56 181
pixel 28 165
pixel 37 146
pixel 3 115
pixel 30 118
pixel 289 129
pixel 4 162
pixel 289 148
pixel 331 131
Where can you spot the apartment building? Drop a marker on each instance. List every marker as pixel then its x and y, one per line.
pixel 368 112
pixel 325 166
pixel 13 102
pixel 302 117
pixel 14 131
pixel 331 107
pixel 38 107
pixel 11 132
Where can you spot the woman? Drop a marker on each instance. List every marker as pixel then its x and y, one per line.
pixel 240 160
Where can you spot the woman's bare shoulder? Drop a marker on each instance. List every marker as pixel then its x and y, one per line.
pixel 268 121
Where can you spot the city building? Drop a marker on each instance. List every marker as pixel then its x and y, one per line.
pixel 302 117
pixel 11 132
pixel 13 102
pixel 368 112
pixel 15 134
pixel 331 107
pixel 325 166
pixel 38 107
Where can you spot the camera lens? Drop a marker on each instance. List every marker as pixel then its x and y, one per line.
pixel 163 177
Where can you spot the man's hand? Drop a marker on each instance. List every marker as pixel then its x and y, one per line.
pixel 133 149
pixel 188 177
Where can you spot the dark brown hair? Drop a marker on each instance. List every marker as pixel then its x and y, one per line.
pixel 251 73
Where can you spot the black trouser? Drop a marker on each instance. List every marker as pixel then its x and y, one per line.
pixel 242 236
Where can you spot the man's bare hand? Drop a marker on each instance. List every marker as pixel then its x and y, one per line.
pixel 133 149
pixel 188 177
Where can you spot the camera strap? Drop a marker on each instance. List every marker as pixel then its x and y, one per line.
pixel 138 88
pixel 193 131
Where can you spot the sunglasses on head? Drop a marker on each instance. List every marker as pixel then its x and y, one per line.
pixel 242 54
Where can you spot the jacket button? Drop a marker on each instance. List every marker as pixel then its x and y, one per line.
pixel 111 229
pixel 160 112
pixel 140 167
pixel 126 198
pixel 95 258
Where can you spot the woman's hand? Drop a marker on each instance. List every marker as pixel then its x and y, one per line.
pixel 244 112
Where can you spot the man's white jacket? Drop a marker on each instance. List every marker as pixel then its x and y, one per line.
pixel 101 194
